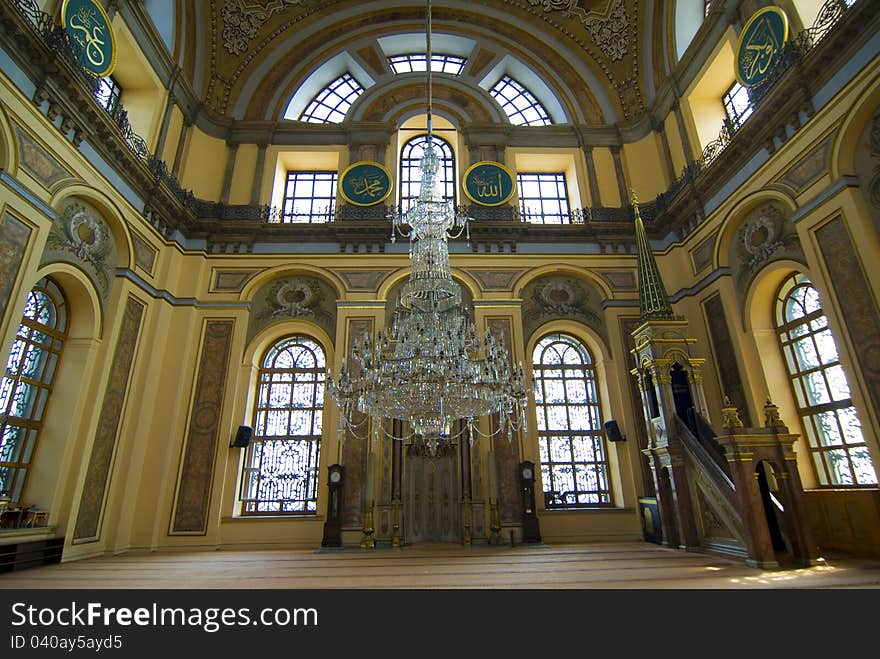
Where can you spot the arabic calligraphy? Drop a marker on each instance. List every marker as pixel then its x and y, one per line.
pixel 365 183
pixel 488 183
pixel 89 30
pixel 90 41
pixel 761 44
pixel 371 186
pixel 485 188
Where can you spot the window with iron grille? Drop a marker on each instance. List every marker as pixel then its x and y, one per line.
pixel 737 105
pixel 411 175
pixel 451 64
pixel 281 465
pixel 107 94
pixel 574 467
pixel 820 387
pixel 331 104
pixel 519 104
pixel 27 383
pixel 543 198
pixel 309 197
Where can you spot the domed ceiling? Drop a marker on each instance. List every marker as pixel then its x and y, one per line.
pixel 245 58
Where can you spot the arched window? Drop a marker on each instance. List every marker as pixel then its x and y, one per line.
pixel 519 104
pixel 281 466
pixel 331 104
pixel 574 469
pixel 410 174
pixel 27 382
pixel 832 426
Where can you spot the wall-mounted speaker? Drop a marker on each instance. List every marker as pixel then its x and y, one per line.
pixel 612 432
pixel 242 437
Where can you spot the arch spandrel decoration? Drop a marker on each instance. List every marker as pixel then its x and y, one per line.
pixel 867 165
pixel 558 297
pixel 82 237
pixel 300 297
pixel 765 235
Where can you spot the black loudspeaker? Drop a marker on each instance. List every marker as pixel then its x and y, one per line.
pixel 242 437
pixel 612 431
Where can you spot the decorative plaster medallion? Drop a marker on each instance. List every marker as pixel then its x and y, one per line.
pixel 81 233
pixel 609 30
pixel 294 297
pixel 243 18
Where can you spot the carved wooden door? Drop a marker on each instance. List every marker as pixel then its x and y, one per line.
pixel 432 495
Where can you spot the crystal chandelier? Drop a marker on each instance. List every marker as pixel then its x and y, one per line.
pixel 430 368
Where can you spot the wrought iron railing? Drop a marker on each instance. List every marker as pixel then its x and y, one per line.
pixel 793 53
pixel 56 39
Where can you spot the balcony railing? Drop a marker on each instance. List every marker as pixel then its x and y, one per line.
pixel 793 53
pixel 55 38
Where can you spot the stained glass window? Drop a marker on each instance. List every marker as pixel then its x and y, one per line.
pixel 519 104
pixel 821 390
pixel 27 382
pixel 543 198
pixel 574 467
pixel 411 176
pixel 332 103
pixel 281 466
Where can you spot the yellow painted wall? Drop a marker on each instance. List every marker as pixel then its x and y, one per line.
pixel 154 420
pixel 606 176
pixel 676 146
pixel 175 126
pixel 243 175
pixel 702 106
pixel 204 165
pixel 143 95
pixel 645 167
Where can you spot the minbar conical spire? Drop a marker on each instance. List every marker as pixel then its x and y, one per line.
pixel 653 301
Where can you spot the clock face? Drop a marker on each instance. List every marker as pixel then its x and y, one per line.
pixel 527 473
pixel 335 476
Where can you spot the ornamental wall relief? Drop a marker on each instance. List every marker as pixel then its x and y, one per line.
pixel 868 167
pixel 764 235
pixel 80 236
pixel 557 297
pixel 294 297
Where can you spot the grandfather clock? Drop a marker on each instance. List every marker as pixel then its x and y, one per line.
pixel 531 531
pixel 333 525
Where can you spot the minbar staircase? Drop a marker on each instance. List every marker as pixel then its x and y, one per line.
pixel 744 496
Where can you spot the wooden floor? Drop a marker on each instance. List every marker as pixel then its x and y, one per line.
pixel 599 565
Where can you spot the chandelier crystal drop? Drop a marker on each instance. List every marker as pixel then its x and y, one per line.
pixel 430 368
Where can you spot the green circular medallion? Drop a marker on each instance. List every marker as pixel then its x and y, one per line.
pixel 488 183
pixel 365 183
pixel 760 45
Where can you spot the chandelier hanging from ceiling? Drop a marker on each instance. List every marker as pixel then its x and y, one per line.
pixel 430 368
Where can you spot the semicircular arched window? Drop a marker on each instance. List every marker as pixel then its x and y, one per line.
pixel 411 176
pixel 829 418
pixel 331 104
pixel 27 382
pixel 280 474
pixel 519 104
pixel 574 466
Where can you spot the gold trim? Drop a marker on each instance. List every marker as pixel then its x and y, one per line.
pixel 745 30
pixel 366 162
pixel 113 50
pixel 500 166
